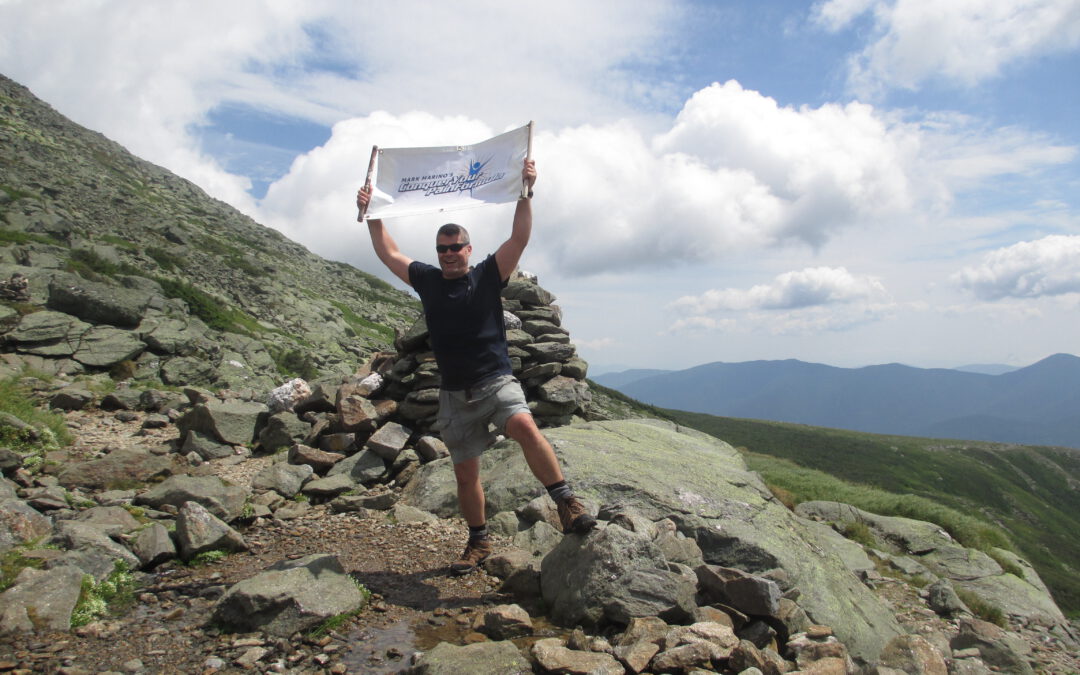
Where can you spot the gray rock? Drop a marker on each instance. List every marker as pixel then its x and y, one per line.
pixel 610 577
pixel 997 647
pixel 504 622
pixel 942 598
pixel 97 303
pixel 290 596
pixel 199 531
pixel 319 460
pixel 205 446
pixel 744 592
pixel 71 398
pixel 189 370
pixel 282 430
pixel 389 441
pixel 705 487
pixel 48 333
pixel 430 448
pixel 481 658
pixel 153 545
pixel 41 600
pixel 90 548
pixel 403 513
pixel 554 657
pixel 122 467
pixel 913 654
pixel 323 489
pixel 104 346
pixel 284 479
pixel 21 523
pixel 364 467
pixel 112 520
pixel 538 540
pixel 233 422
pixel 221 499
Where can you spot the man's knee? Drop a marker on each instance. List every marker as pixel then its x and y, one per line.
pixel 467 473
pixel 521 426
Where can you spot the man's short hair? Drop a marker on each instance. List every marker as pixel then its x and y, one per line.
pixel 453 230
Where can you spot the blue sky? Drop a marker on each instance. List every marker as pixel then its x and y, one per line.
pixel 848 182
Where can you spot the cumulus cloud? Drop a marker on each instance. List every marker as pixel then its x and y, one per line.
pixel 964 42
pixel 813 286
pixel 810 300
pixel 734 172
pixel 1046 267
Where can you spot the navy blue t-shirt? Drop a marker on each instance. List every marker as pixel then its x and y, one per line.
pixel 465 321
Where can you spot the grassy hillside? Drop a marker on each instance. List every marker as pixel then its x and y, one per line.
pixel 1029 492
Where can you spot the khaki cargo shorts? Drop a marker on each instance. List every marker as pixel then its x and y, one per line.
pixel 466 416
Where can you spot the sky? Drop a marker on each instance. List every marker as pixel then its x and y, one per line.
pixel 848 182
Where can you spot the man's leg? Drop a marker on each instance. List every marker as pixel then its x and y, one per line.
pixel 470 491
pixel 471 502
pixel 542 461
pixel 538 452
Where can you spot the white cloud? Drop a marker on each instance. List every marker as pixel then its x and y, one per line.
pixel 806 301
pixel 1045 267
pixel 813 286
pixel 964 41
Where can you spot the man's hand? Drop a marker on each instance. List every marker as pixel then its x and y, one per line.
pixel 363 198
pixel 528 174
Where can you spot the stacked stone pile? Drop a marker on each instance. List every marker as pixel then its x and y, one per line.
pixel 541 354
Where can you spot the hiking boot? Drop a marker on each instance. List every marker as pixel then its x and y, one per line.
pixel 476 552
pixel 573 517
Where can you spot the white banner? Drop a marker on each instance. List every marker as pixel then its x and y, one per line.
pixel 409 181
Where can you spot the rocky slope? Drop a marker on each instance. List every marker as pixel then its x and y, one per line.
pixel 218 299
pixel 385 533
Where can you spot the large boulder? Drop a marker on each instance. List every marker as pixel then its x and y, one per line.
pixel 97 303
pixel 233 422
pixel 290 596
pixel 612 576
pixel 703 485
pixel 41 600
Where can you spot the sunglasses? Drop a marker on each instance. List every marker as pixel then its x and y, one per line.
pixel 443 248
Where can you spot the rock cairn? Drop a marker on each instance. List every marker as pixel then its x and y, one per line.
pixel 541 354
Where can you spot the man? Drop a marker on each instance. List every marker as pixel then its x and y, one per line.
pixel 464 316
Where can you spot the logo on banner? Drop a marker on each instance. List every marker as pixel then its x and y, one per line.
pixel 472 177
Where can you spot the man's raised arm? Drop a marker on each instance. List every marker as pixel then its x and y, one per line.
pixel 385 246
pixel 509 253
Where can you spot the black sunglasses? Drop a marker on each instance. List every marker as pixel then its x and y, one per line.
pixel 443 248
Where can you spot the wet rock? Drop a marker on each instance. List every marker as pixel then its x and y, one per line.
pixel 504 622
pixel 482 658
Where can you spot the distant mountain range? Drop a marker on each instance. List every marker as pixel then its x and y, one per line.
pixel 1035 405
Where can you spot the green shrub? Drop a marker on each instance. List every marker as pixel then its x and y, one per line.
pixel 12 562
pixel 165 260
pixel 981 608
pixel 859 532
pixel 294 363
pixel 52 431
pixel 208 557
pixel 110 596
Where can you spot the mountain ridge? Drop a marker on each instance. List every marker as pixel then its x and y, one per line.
pixel 1036 404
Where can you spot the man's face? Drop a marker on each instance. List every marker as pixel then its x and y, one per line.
pixel 453 263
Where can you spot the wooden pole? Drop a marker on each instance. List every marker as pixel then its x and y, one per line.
pixel 528 155
pixel 370 170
